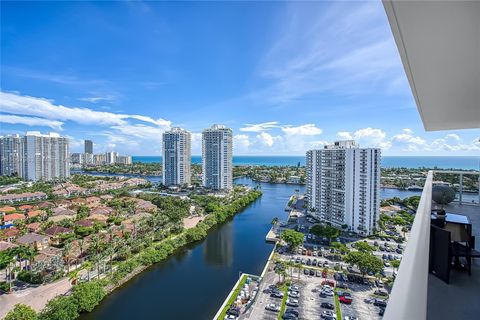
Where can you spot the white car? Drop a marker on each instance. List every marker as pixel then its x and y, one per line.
pixel 327 293
pixel 328 313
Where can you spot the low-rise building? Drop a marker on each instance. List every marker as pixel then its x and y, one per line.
pixel 21 197
pixel 34 240
pixel 13 217
pixel 4 245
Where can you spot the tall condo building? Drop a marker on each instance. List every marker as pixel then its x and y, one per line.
pixel 217 152
pixel 46 156
pixel 11 155
pixel 176 146
pixel 343 185
pixel 88 146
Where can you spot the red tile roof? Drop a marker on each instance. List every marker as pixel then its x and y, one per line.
pixel 13 217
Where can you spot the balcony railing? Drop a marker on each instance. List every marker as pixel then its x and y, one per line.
pixel 408 299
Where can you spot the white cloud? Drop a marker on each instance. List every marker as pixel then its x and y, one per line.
pixel 31 121
pixel 96 99
pixel 40 107
pixel 366 137
pixel 344 135
pixel 265 138
pixel 241 144
pixel 259 127
pixel 303 130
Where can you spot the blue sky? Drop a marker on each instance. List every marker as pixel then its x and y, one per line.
pixel 286 77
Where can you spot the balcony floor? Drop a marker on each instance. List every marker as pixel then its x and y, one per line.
pixel 461 298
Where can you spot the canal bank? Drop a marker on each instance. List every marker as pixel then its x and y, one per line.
pixel 192 282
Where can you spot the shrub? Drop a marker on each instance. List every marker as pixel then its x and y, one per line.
pixel 30 277
pixel 21 312
pixel 88 295
pixel 60 308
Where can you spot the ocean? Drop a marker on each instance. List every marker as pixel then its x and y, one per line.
pixel 440 162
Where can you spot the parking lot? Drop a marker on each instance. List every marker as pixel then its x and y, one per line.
pixel 310 300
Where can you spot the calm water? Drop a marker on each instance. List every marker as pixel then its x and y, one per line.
pixel 470 163
pixel 193 283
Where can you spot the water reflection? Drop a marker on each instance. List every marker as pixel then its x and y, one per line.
pixel 218 249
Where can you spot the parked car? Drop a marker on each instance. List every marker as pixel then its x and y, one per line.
pixel 325 264
pixel 381 293
pixel 381 312
pixel 318 273
pixel 342 285
pixel 327 305
pixel 289 316
pixel 292 302
pixel 324 274
pixel 379 303
pixel 347 299
pixel 276 294
pixel 294 294
pixel 305 271
pixel 312 272
pixel 272 307
pixel 325 293
pixel 314 262
pixel 384 256
pixel 379 283
pixel 294 287
pixel 399 251
pixel 292 311
pixel 328 314
pixel 386 264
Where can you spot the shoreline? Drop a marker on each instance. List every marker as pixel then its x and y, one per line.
pixel 142 260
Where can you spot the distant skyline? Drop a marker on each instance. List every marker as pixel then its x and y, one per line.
pixel 285 76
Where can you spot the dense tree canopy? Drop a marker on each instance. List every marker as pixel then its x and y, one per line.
pixel 88 295
pixel 60 308
pixel 366 262
pixel 325 231
pixel 292 238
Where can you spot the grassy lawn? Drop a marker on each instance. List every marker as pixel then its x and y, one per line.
pixel 237 290
pixel 337 306
pixel 284 289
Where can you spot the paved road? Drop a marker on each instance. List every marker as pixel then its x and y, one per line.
pixel 34 297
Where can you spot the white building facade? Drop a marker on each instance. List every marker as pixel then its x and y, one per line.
pixel 343 185
pixel 217 152
pixel 45 157
pixel 11 155
pixel 177 157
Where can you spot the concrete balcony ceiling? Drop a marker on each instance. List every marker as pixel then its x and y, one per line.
pixel 439 44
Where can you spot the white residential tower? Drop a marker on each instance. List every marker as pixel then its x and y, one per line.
pixel 217 167
pixel 176 146
pixel 343 185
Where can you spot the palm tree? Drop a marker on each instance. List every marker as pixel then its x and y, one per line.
pixel 67 248
pixel 88 266
pixel 81 245
pixel 299 266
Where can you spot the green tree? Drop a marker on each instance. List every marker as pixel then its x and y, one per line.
pixel 60 308
pixel 340 247
pixel 325 231
pixel 366 262
pixel 363 246
pixel 292 238
pixel 21 312
pixel 82 212
pixel 395 264
pixel 88 295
